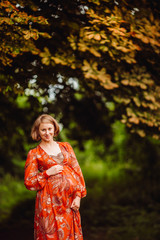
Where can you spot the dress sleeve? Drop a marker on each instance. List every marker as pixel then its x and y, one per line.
pixel 81 188
pixel 33 179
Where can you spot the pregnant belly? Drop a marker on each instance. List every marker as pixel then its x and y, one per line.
pixel 62 189
pixel 69 181
pixel 63 182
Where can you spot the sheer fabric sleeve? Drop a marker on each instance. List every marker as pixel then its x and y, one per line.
pixel 33 179
pixel 81 188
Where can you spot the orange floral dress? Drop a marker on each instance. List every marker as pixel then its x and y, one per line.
pixel 54 218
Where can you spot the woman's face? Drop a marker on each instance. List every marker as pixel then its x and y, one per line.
pixel 46 131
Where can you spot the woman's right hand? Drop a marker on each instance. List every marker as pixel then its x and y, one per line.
pixel 54 170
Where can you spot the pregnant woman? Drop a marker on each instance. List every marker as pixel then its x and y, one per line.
pixel 53 171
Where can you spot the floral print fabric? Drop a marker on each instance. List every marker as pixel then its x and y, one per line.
pixel 54 218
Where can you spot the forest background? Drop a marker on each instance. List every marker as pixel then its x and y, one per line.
pixel 94 65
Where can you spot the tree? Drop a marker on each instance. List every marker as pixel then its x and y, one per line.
pixel 17 33
pixel 118 46
pixel 110 48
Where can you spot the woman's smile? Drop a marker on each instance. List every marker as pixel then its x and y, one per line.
pixel 46 131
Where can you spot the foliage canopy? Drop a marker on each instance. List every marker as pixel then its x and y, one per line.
pixel 111 48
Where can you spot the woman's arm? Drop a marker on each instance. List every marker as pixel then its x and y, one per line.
pixel 81 188
pixel 33 179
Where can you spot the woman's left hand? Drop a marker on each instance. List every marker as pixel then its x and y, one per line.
pixel 76 203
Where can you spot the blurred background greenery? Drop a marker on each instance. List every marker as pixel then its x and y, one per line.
pixel 94 65
pixel 123 183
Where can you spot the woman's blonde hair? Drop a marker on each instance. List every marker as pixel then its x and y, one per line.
pixel 41 119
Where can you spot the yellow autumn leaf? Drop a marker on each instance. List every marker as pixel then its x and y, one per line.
pixel 126 101
pixel 119 99
pixel 141 133
pixel 97 37
pixel 149 97
pixel 35 35
pixel 130 112
pixel 89 36
pixel 134 120
pixel 46 60
pixel 44 34
pixel 90 69
pixel 46 53
pixel 125 82
pixel 27 34
pixel 133 82
pixel 129 59
pixel 86 66
pixel 116 31
pixel 123 120
pixel 137 101
pixel 90 74
pixel 103 35
pixel 46 56
pixel 149 82
pixel 105 80
pixel 94 52
pixel 110 85
pixel 154 42
pixel 136 47
pixel 103 48
pixel 123 49
pixel 107 10
pixel 150 124
pixel 129 124
pixel 59 60
pixel 89 66
pixel 152 106
pixel 82 46
pixel 156 136
pixel 35 51
pixel 145 105
pixel 31 34
pixel 143 86
pixel 145 39
pixel 95 21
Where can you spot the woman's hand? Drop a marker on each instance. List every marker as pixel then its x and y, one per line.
pixel 54 170
pixel 76 204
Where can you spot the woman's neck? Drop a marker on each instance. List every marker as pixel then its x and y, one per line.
pixel 47 144
pixel 51 148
